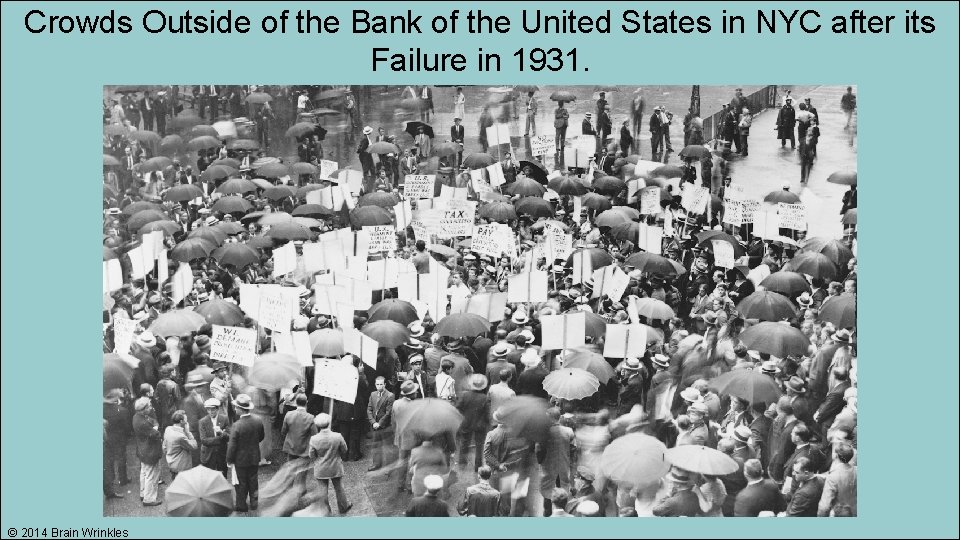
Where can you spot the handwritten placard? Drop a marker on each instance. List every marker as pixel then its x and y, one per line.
pixel 650 200
pixel 458 217
pixel 486 240
pixel 723 254
pixel 419 186
pixel 541 145
pixel 234 345
pixel 274 311
pixel 123 330
pixel 750 209
pixel 327 168
pixel 792 216
pixel 733 212
pixel 382 238
pixel 695 198
pixel 336 379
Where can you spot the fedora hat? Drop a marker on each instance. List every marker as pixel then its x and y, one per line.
pixel 147 339
pixel 244 402
pixel 769 367
pixel 632 363
pixel 367 130
pixel 520 316
pixel 530 358
pixel 527 335
pixel 805 300
pixel 478 382
pixel 141 404
pixel 690 394
pixel 661 360
pixel 500 350
pixel 194 379
pixel 842 336
pixel 454 344
pixel 416 329
pixel 742 434
pixel 584 472
pixel 219 366
pixel 409 387
pixel 796 384
pixel 588 508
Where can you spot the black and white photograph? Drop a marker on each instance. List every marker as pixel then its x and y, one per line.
pixel 509 301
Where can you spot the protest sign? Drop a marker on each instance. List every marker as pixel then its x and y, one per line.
pixel 625 340
pixel 284 259
pixel 582 266
pixel 382 238
pixel 563 331
pixel 336 379
pixel 650 238
pixel 163 266
pixel 323 256
pixel 362 346
pixel 123 330
pixel 327 168
pixel 541 145
pixel 580 151
pixel 140 262
pixel 735 192
pixel 352 179
pixel 490 306
pixel 695 198
pixel 733 212
pixel 792 216
pixel 527 287
pixel 650 200
pixel 234 345
pixel 403 215
pixel 358 291
pixel 429 288
pixel 419 186
pixel 611 281
pixel 495 174
pixel 578 209
pixel 448 193
pixel 458 218
pixel 327 298
pixel 382 273
pixel 723 254
pixel 182 283
pixel 274 311
pixel 498 134
pixel 766 224
pixel 113 275
pixel 750 208
pixel 486 240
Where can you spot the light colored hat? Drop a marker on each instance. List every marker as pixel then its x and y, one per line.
pixel 478 382
pixel 699 408
pixel 433 482
pixel 212 403
pixel 409 387
pixel 661 360
pixel 416 329
pixel 690 394
pixel 769 367
pixel 753 354
pixel 530 358
pixel 520 316
pixel 244 402
pixel 147 339
pixel 367 130
pixel 632 363
pixel 742 433
pixel 212 220
pixel 588 507
pixel 500 350
pixel 140 315
pixel 805 300
pixel 527 335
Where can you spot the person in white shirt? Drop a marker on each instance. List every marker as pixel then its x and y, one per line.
pixel 446 386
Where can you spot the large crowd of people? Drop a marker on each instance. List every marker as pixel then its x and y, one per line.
pixel 750 359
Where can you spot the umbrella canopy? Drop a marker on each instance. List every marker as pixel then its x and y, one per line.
pixel 652 263
pixel 228 162
pixel 378 198
pixel 850 217
pixel 310 223
pixel 243 144
pixel 327 342
pixel 203 130
pixel 200 492
pixel 303 190
pixel 544 223
pixel 260 242
pixel 110 161
pixel 526 187
pixel 526 88
pixel 629 230
pixel 203 142
pixel 156 163
pixel 835 250
pixel 140 206
pixel 143 217
pixel 273 371
pixel 781 196
pixel 563 96
pixel 183 192
pixel 302 167
pixel 278 193
pixel 596 202
pixel 779 339
pixel 192 248
pixel 598 257
pixel 229 227
pixel 460 325
pixel 498 211
pixel 393 309
pixel 747 384
pixel 446 149
pixel 259 97
pixel 117 372
pixel 144 136
pixel 311 210
pixel 389 334
pixel 424 418
pixel 171 143
pixel 694 151
pixel 571 383
pixel 608 185
pixel 568 185
pixel 231 204
pixel 238 255
pixel 382 148
pixel 535 207
pixel 115 130
pixel 596 326
pixel 168 227
pixel 274 218
pixel 612 217
pixel 478 160
pixel 179 322
pixel 262 183
pixel 206 232
pixel 846 178
pixel 840 310
pixel 708 240
pixel 786 283
pixel 667 171
pixel 526 416
pixel 814 264
pixel 654 309
pixel 221 312
pixel 235 186
pixel 289 231
pixel 766 306
pixel 442 250
pixel 590 361
pixel 300 129
pixel 365 216
pixel 216 172
pixel 635 459
pixel 273 170
pixel 701 459
pixel 413 128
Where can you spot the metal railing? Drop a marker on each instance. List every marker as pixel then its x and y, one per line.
pixel 762 99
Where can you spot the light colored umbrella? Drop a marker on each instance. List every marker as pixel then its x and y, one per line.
pixel 327 342
pixel 701 459
pixel 571 383
pixel 591 362
pixel 179 322
pixel 273 371
pixel 200 492
pixel 635 459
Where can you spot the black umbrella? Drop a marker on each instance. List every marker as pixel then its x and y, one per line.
pixel 413 128
pixel 534 170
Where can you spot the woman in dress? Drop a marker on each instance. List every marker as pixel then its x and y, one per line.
pixel 459 104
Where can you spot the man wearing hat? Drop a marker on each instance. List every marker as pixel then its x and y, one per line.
pixel 586 127
pixel 781 445
pixel 243 453
pixel 680 501
pixel 819 370
pixel 834 401
pixel 474 405
pixel 530 382
pixel 802 407
pixel 498 362
pixel 429 504
pixel 214 435
pixel 328 449
pixel 146 429
pixel 786 120
pixel 701 432
pixel 500 392
pixel 733 482
pixel 366 158
pixel 426 385
pixel 584 490
pixel 631 376
pixel 193 405
pixel 461 367
pixel 144 348
pixel 220 386
pixel 168 396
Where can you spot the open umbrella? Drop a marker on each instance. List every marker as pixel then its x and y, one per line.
pixel 840 310
pixel 706 242
pixel 608 185
pixel 260 242
pixel 231 204
pixel 115 130
pixel 302 167
pixel 526 187
pixel 499 211
pixel 694 151
pixel 701 459
pixel 144 136
pixel 629 231
pixel 309 223
pixel 303 190
pixel 243 144
pixel 327 342
pixel 654 309
pixel 478 160
pixel 273 371
pixel 667 171
pixel 378 198
pixel 156 163
pixel 117 372
pixel 535 207
pixel 850 217
pixel 278 193
pixel 779 339
pixel 203 130
pixel 526 88
pixel 571 383
pixel 238 255
pixel 835 250
pixel 413 128
pixel 273 170
pixel 786 283
pixel 747 384
pixel 140 206
pixel 459 325
pixel 611 217
pixel 300 129
pixel 365 216
pixel 289 231
pixel 171 143
pixel 192 248
pixel 846 178
pixel 179 322
pixel 563 96
pixel 596 202
pixel 216 172
pixel 230 228
pixel 389 334
pixel 442 250
pixel 110 161
pixel 206 232
pixel 311 210
pixel 634 459
pixel 200 492
pixel 766 306
pixel 568 185
pixel 598 257
pixel 168 227
pixel 446 149
pixel 423 418
pixel 596 326
pixel 262 183
pixel 526 416
pixel 652 263
pixel 393 309
pixel 259 97
pixel 274 218
pixel 814 264
pixel 221 312
pixel 203 142
pixel 382 148
pixel 781 196
pixel 183 192
pixel 590 361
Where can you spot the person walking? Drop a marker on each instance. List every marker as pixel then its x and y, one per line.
pixel 848 103
pixel 474 405
pixel 297 429
pixel 459 104
pixel 480 499
pixel 746 120
pixel 243 453
pixel 328 449
pixel 149 449
pixel 429 504
pixel 380 416
pixel 786 119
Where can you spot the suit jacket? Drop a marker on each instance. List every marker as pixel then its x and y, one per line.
pixel 760 431
pixel 839 487
pixel 780 446
pixel 759 497
pixel 149 440
pixel 655 126
pixel 586 128
pixel 457 134
pixel 328 449
pixel 832 404
pixel 811 452
pixel 380 410
pixel 214 446
pixel 494 368
pixel 143 107
pixel 296 431
pixel 428 384
pixel 475 408
pixel 805 499
pixel 683 503
pixel 243 450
